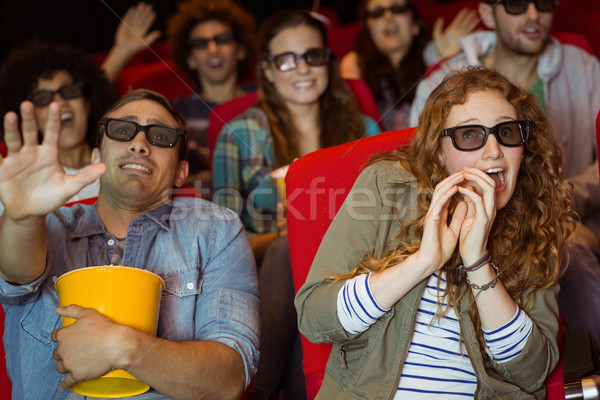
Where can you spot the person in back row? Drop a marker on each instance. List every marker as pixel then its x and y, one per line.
pixel 391 53
pixel 214 45
pixel 304 105
pixel 565 81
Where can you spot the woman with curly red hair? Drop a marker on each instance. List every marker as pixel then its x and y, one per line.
pixel 450 287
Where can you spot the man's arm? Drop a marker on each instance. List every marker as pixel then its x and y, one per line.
pixel 182 370
pixel 32 184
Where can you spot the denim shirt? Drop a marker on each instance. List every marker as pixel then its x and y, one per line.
pixel 199 249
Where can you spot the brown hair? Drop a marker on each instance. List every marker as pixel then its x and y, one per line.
pixel 193 12
pixel 145 94
pixel 530 232
pixel 340 116
pixel 379 73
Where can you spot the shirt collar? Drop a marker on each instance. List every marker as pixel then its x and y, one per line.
pixel 90 224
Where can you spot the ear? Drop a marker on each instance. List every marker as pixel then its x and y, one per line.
pixel 264 65
pixel 240 53
pixel 415 29
pixel 442 159
pixel 487 14
pixel 96 156
pixel 191 62
pixel 181 173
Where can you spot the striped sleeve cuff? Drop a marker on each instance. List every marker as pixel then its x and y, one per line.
pixel 508 341
pixel 357 309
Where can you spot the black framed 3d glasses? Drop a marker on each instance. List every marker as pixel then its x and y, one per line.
pixel 288 61
pixel 378 11
pixel 43 97
pixel 516 7
pixel 124 130
pixel 474 137
pixel 220 40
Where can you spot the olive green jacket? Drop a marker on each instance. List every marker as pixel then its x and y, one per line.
pixel 368 365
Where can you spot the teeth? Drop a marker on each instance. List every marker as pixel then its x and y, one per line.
pixel 137 166
pixel 494 170
pixel 66 116
pixel 303 84
pixel 214 62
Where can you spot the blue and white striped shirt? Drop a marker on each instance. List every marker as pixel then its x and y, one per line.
pixel 436 366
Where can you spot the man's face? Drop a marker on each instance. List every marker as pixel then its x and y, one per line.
pixel 140 176
pixel 216 62
pixel 523 34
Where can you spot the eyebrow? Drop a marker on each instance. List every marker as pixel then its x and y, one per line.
pixel 150 121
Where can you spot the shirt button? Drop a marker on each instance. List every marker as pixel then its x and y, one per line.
pixel 54 278
pixel 190 285
pixel 111 242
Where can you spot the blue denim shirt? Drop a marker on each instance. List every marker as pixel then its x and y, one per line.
pixel 199 249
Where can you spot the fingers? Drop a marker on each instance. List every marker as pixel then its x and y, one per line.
pixel 465 20
pixel 52 129
pixel 71 311
pixel 12 135
pixel 438 28
pixel 29 126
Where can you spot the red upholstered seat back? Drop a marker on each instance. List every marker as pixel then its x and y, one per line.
pixel 317 184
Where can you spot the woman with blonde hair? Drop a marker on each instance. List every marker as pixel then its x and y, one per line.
pixel 450 290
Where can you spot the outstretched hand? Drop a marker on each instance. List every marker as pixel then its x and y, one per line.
pixel 32 180
pixel 447 41
pixel 132 33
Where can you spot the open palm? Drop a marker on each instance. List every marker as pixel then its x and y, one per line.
pixel 32 181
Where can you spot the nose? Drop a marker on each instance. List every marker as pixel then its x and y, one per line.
pixel 139 144
pixel 492 149
pixel 532 11
pixel 303 66
pixel 212 46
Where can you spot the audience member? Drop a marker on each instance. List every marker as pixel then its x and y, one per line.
pixel 214 45
pixel 39 72
pixel 450 288
pixel 304 105
pixel 565 81
pixel 206 346
pixel 390 53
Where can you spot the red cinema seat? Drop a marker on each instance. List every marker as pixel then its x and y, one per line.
pixel 161 76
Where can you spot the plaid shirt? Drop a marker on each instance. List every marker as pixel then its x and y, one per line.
pixel 243 159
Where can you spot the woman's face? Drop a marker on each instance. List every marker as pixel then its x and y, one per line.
pixel 75 111
pixel 486 108
pixel 306 83
pixel 392 33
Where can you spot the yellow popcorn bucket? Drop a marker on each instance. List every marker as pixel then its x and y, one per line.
pixel 128 296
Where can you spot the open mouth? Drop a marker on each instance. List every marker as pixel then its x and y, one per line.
pixel 215 62
pixel 67 120
pixel 303 84
pixel 136 167
pixel 498 175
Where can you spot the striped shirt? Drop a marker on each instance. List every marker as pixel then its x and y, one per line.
pixel 436 365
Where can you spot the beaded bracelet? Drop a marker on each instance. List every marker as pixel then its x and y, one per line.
pixel 488 285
